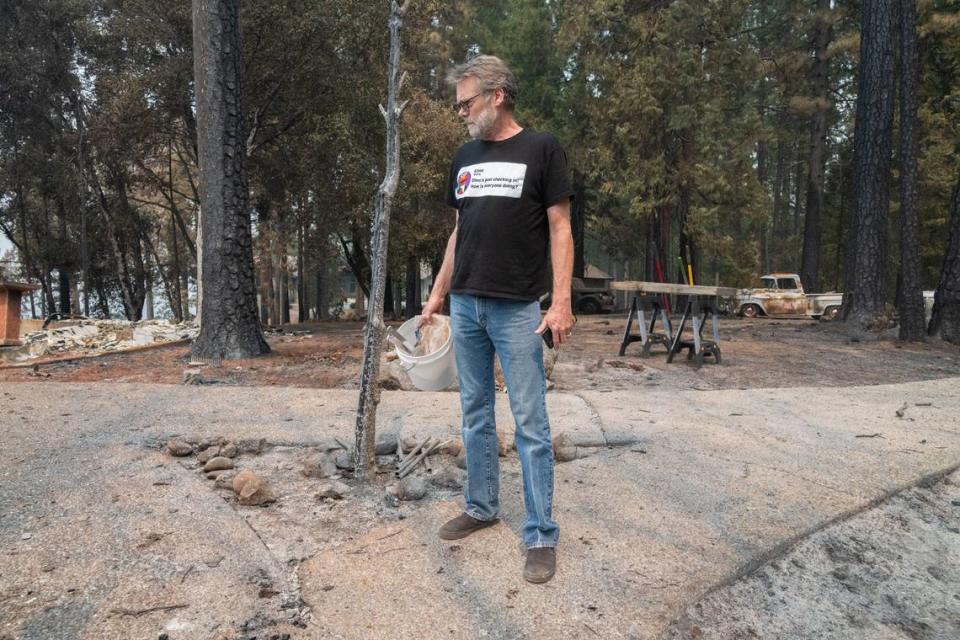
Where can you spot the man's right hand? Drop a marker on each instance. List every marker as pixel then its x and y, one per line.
pixel 434 305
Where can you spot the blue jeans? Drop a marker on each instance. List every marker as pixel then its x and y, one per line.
pixel 482 326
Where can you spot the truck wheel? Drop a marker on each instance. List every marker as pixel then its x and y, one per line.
pixel 830 313
pixel 750 311
pixel 589 306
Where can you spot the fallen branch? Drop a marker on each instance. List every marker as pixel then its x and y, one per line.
pixel 389 535
pixel 415 457
pixel 136 613
pixel 405 459
pixel 405 471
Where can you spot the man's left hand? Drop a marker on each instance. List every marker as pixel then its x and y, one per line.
pixel 559 319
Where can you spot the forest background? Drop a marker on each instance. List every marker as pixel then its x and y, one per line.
pixel 720 134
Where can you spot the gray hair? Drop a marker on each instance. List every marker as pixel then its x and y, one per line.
pixel 490 73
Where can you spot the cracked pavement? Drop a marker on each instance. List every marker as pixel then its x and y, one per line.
pixel 105 536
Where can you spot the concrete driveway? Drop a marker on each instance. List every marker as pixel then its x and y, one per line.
pixel 104 535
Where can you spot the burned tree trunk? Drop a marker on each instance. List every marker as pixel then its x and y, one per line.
pixel 412 287
pixel 578 220
pixel 910 301
pixel 366 431
pixel 229 326
pixel 945 320
pixel 810 260
pixel 872 146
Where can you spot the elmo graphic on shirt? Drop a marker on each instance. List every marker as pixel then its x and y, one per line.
pixel 463 182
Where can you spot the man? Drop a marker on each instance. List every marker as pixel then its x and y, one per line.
pixel 512 194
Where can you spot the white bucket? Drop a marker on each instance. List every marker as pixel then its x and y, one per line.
pixel 431 372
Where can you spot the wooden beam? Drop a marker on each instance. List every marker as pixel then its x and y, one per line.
pixel 664 287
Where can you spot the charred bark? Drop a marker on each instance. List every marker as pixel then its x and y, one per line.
pixel 945 320
pixel 301 270
pixel 366 429
pixel 356 259
pixel 867 255
pixel 579 223
pixel 229 326
pixel 413 287
pixel 176 305
pixel 910 301
pixel 816 162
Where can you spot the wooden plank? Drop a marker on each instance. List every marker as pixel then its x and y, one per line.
pixel 665 287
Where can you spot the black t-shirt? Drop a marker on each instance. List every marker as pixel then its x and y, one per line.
pixel 502 190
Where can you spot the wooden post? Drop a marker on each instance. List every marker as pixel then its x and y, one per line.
pixel 366 431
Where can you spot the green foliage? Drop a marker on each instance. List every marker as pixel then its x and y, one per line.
pixel 687 123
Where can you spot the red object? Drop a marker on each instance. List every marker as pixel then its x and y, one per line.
pixel 666 300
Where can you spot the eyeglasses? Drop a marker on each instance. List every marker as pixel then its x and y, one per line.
pixel 466 104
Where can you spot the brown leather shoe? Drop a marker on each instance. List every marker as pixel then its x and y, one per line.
pixel 541 564
pixel 463 525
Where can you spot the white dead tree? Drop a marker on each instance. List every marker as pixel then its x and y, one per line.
pixel 364 457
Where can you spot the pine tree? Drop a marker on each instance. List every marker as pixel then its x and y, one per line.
pixel 867 253
pixel 910 304
pixel 229 322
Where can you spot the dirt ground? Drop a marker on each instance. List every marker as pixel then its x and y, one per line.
pixel 885 573
pixel 757 353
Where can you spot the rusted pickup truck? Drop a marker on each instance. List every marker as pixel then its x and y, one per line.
pixel 783 295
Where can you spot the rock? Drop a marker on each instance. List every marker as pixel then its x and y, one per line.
pixel 330 444
pixel 251 489
pixel 332 491
pixel 323 466
pixel 214 561
pixel 208 454
pixel 179 448
pixel 252 445
pixel 461 460
pixel 452 448
pixel 229 450
pixel 191 377
pixel 213 475
pixel 224 480
pixel 565 454
pixel 345 461
pixel 394 376
pixel 386 444
pixel 410 488
pixel 218 463
pixel 448 478
pixel 620 439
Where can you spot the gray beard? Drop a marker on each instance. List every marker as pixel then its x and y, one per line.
pixel 483 125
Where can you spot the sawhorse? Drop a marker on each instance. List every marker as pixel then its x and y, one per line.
pixel 648 335
pixel 698 348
